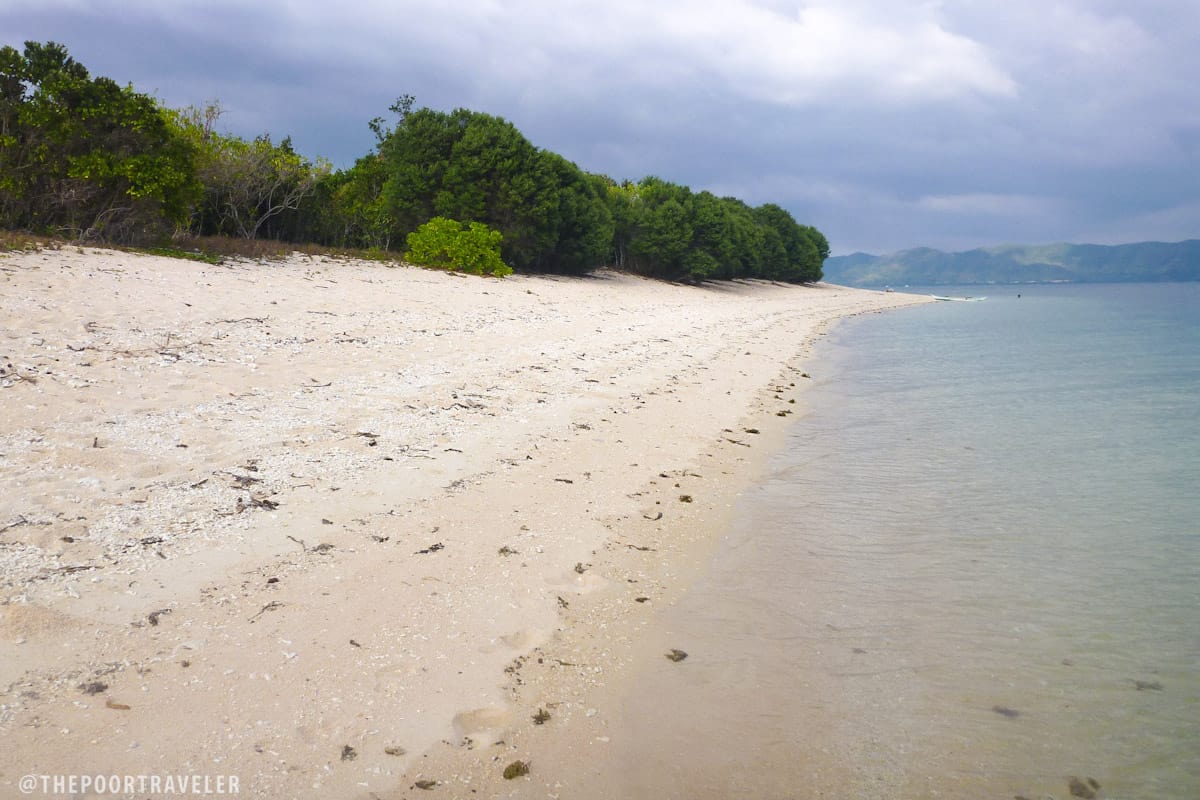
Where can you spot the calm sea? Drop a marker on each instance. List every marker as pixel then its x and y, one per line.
pixel 974 572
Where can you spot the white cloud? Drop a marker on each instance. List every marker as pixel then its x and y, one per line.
pixel 787 53
pixel 834 53
pixel 988 204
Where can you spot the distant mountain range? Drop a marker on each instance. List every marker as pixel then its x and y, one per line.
pixel 1076 263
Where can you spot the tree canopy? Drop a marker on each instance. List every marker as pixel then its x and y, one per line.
pixel 85 157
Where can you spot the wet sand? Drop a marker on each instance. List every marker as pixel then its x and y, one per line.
pixel 335 527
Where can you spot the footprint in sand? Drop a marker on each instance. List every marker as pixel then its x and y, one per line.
pixel 579 584
pixel 524 639
pixel 491 720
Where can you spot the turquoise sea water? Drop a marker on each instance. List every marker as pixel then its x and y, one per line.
pixel 973 572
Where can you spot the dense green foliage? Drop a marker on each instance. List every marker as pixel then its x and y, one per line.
pixel 84 156
pixel 1080 263
pixel 87 158
pixel 446 244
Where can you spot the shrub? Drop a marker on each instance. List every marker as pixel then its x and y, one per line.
pixel 447 244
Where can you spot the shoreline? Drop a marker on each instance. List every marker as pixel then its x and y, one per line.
pixel 331 513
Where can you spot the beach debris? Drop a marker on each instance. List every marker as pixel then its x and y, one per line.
pixel 433 548
pixel 326 521
pixel 67 570
pixel 685 498
pixel 655 518
pixel 256 502
pixel 507 551
pixel 1005 711
pixel 641 599
pixel 95 687
pixel 348 753
pixel 1086 789
pixel 274 605
pixel 640 548
pixel 354 643
pixel 243 481
pixel 563 603
pixel 564 480
pixel 1153 686
pixel 115 705
pixel 516 769
pixel 16 523
pixel 541 717
pixel 9 376
pixel 751 430
pixel 676 655
pixel 154 615
pixel 580 568
pixel 395 750
pixel 425 784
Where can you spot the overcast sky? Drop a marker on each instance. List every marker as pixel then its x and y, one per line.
pixel 886 123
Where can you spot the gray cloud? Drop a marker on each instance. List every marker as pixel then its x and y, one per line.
pixel 887 125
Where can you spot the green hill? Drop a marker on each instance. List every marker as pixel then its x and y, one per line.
pixel 1077 263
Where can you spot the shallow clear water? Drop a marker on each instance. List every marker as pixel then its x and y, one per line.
pixel 973 572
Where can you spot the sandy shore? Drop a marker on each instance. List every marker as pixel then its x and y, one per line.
pixel 336 528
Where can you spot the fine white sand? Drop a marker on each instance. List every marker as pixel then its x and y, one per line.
pixel 335 528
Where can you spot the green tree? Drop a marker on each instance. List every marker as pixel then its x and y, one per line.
pixel 469 165
pixel 447 244
pixel 357 208
pixel 246 184
pixel 86 156
pixel 580 218
pixel 664 240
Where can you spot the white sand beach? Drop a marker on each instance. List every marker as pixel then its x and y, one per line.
pixel 336 528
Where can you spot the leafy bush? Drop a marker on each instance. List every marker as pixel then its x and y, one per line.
pixel 448 244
